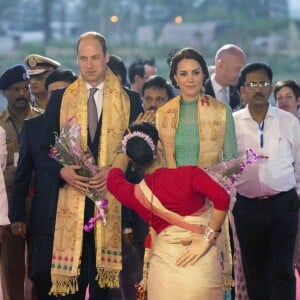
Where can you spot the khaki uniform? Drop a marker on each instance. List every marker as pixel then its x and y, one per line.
pixel 12 260
pixel 13 129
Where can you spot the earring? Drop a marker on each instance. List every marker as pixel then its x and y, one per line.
pixel 132 167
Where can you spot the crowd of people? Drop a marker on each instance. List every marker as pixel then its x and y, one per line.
pixel 171 231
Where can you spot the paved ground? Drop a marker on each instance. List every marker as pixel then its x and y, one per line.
pixel 297 297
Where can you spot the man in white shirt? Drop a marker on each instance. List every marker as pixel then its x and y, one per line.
pixel 266 210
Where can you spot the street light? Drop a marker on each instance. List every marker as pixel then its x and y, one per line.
pixel 114 19
pixel 178 19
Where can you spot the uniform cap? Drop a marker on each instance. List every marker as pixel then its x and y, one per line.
pixel 16 73
pixel 38 64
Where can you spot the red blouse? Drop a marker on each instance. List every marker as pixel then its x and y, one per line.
pixel 181 190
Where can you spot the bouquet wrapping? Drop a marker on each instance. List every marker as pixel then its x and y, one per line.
pixel 228 172
pixel 67 150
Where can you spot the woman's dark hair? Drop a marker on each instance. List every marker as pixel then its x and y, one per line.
pixel 187 53
pixel 287 83
pixel 137 149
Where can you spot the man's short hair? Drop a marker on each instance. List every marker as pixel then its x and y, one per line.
pixel 94 35
pixel 116 64
pixel 60 75
pixel 136 68
pixel 158 82
pixel 253 67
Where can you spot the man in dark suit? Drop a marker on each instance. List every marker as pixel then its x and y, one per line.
pixel 42 212
pixel 139 71
pixel 229 60
pixel 115 110
pixel 134 228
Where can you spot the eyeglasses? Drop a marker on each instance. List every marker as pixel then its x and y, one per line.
pixel 261 84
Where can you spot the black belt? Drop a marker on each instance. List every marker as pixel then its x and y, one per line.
pixel 268 197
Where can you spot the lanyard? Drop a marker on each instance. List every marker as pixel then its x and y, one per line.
pixel 261 129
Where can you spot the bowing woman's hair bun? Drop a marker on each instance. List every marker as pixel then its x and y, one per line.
pixel 140 143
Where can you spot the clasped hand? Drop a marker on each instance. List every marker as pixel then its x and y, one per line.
pixel 196 247
pixel 19 229
pixel 81 183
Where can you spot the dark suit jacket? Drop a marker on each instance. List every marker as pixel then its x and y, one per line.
pixel 43 211
pixel 130 219
pixel 135 102
pixel 234 96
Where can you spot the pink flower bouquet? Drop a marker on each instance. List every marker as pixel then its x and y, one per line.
pixel 68 151
pixel 227 173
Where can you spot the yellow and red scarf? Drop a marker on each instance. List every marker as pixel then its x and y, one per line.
pixel 68 236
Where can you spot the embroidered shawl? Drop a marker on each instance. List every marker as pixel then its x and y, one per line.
pixel 68 237
pixel 212 125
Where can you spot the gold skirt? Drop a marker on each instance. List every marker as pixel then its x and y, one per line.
pixel 202 281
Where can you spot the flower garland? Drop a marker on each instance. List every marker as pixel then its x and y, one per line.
pixel 141 135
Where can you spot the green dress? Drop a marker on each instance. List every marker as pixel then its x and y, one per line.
pixel 187 140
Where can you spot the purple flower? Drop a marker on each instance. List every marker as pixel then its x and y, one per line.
pixel 227 173
pixel 68 151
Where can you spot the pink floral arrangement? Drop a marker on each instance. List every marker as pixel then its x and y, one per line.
pixel 139 134
pixel 67 151
pixel 228 172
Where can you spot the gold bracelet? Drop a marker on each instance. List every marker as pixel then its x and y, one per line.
pixel 210 235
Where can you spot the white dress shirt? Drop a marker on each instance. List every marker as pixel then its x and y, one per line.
pixel 3 197
pixel 220 90
pixel 281 143
pixel 98 97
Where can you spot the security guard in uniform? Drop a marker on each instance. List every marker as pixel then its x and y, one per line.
pixel 14 84
pixel 39 67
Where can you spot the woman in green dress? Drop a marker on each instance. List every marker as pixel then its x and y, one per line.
pixel 195 128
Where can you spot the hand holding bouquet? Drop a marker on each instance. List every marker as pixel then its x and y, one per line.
pixel 68 151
